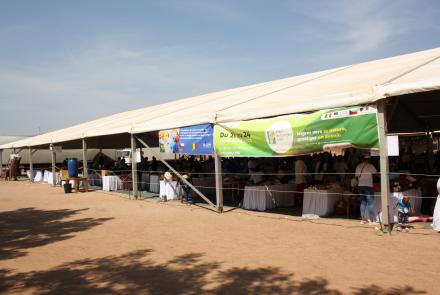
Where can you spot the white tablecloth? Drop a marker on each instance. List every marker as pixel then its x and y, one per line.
pixel 168 189
pixel 267 197
pixel 154 183
pixel 38 176
pixel 320 202
pixel 47 177
pixel 111 183
pixel 57 178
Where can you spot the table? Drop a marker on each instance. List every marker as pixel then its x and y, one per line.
pixel 154 183
pixel 38 176
pixel 111 183
pixel 168 189
pixel 267 197
pixel 57 178
pixel 320 202
pixel 28 174
pixel 47 177
pixel 76 182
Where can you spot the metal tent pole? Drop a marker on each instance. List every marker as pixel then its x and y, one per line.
pixel 158 156
pixel 54 179
pixel 218 183
pixel 134 166
pixel 84 152
pixel 31 166
pixel 1 161
pixel 384 167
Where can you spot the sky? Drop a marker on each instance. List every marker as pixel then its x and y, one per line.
pixel 67 62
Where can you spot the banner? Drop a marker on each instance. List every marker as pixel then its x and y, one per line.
pixel 299 134
pixel 193 140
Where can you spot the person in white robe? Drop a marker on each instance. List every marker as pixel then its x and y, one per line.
pixel 436 215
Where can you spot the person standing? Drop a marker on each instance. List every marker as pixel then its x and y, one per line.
pixel 185 189
pixel 319 168
pixel 300 180
pixel 364 172
pixel 341 169
pixel 436 215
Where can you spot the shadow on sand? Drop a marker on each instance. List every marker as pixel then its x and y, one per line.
pixel 137 273
pixel 29 227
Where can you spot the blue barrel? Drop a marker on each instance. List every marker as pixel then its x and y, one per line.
pixel 72 167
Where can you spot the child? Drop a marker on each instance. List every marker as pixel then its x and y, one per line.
pixel 404 207
pixel 397 195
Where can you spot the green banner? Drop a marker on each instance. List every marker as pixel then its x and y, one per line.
pixel 299 134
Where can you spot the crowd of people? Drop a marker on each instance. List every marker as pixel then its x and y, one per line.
pixel 355 170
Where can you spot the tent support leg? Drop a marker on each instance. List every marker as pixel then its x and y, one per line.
pixel 384 167
pixel 31 166
pixel 1 161
pixel 134 166
pixel 84 152
pixel 218 183
pixel 158 156
pixel 54 177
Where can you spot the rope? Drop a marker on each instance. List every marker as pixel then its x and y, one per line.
pixel 267 188
pixel 263 174
pixel 253 187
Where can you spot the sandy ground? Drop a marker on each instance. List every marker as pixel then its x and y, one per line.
pixel 52 243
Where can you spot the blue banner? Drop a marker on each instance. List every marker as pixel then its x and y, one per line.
pixel 193 140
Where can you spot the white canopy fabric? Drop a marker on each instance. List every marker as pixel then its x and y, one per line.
pixel 351 85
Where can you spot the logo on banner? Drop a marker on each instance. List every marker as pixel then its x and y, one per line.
pixel 279 136
pixel 348 113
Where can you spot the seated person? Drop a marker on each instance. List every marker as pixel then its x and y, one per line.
pixel 256 177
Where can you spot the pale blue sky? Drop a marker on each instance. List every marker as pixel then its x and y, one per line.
pixel 66 62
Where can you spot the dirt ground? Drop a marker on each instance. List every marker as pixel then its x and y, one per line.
pixel 96 242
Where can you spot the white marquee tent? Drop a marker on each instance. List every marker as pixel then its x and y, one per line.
pixel 411 80
pixel 351 85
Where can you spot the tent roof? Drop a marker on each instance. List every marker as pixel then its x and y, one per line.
pixel 4 139
pixel 345 86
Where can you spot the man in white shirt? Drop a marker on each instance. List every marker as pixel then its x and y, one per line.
pixel 300 180
pixel 364 173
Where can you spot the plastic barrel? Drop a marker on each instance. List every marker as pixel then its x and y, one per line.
pixel 72 167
